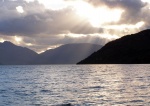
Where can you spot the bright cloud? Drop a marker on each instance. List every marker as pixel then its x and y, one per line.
pixel 147 1
pixel 51 4
pixel 42 24
pixel 17 39
pixel 28 1
pixel 97 16
pixel 2 40
pixel 125 26
pixel 20 9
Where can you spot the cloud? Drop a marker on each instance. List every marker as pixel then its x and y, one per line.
pixel 37 20
pixel 42 43
pixel 48 42
pixel 41 21
pixel 41 26
pixel 133 9
pixel 128 4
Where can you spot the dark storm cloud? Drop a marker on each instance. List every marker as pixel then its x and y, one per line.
pixel 133 4
pixel 28 25
pixel 37 20
pixel 43 27
pixel 12 22
pixel 36 24
pixel 134 11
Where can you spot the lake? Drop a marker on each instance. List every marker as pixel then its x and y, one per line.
pixel 83 85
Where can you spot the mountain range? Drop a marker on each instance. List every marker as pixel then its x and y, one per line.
pixel 11 54
pixel 67 54
pixel 130 49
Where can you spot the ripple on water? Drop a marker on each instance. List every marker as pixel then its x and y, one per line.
pixel 91 85
pixel 135 101
pixel 46 91
pixel 64 105
pixel 94 88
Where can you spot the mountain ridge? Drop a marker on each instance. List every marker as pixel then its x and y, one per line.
pixel 129 49
pixel 11 54
pixel 67 54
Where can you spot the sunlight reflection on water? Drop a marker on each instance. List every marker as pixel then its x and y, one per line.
pixel 85 85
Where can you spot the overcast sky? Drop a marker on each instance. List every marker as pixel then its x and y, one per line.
pixel 46 24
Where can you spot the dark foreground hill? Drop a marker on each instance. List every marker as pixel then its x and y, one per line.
pixel 67 54
pixel 11 54
pixel 130 49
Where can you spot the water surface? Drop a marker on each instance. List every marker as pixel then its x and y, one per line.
pixel 83 85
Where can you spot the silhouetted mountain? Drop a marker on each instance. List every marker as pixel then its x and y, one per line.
pixel 66 54
pixel 130 49
pixel 11 54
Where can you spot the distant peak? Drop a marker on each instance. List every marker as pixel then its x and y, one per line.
pixel 78 44
pixel 7 42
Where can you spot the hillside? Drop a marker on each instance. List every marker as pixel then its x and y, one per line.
pixel 130 49
pixel 67 54
pixel 11 54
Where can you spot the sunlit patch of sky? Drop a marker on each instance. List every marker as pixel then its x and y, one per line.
pixel 44 24
pixel 20 9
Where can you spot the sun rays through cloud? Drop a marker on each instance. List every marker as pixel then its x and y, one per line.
pixel 97 16
pixel 2 40
pixel 18 40
pixel 41 24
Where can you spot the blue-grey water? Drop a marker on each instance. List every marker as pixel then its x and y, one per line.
pixel 83 85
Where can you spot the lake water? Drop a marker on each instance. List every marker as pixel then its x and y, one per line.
pixel 83 85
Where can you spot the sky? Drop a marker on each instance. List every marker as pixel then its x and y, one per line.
pixel 45 24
